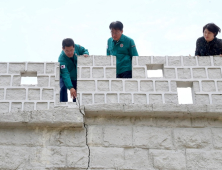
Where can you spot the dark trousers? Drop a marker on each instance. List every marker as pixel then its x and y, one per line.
pixel 126 74
pixel 63 90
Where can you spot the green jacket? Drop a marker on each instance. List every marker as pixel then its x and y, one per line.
pixel 68 68
pixel 124 49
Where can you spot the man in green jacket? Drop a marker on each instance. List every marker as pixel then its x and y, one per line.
pixel 123 48
pixel 68 68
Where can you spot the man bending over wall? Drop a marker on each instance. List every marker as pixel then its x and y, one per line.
pixel 68 68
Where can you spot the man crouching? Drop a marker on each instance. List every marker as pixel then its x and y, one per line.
pixel 68 68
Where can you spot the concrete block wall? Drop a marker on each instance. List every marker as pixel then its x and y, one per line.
pixel 149 143
pixel 97 81
pixel 17 97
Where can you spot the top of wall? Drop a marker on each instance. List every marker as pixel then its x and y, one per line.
pixel 97 82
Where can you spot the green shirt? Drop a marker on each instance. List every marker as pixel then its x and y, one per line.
pixel 124 50
pixel 68 66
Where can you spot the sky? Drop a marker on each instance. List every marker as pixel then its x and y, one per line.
pixel 34 30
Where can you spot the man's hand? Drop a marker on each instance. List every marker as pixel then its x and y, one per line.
pixel 73 93
pixel 85 55
pixel 221 55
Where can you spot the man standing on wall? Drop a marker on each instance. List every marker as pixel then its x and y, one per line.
pixel 68 68
pixel 123 48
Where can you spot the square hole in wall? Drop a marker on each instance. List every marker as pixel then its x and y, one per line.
pixel 185 94
pixel 29 78
pixel 154 70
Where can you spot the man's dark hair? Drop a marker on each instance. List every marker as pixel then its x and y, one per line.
pixel 68 42
pixel 212 28
pixel 117 25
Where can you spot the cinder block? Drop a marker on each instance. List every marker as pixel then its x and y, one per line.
pixel 3 67
pixel 51 105
pixel 140 99
pixel 77 158
pixel 85 61
pixel 16 106
pixel 139 72
pixel 189 61
pixel 110 72
pixel 86 85
pixel 121 136
pixel 5 80
pixel 85 72
pixel 159 60
pixel 143 60
pixel 219 85
pixel 47 94
pixel 29 106
pixel 131 86
pixel 173 85
pixel 171 98
pixel 98 72
pixel 114 60
pixel 217 99
pixel 39 67
pixel 217 136
pixel 152 138
pixel 137 158
pixel 57 77
pixel 111 98
pixel 16 94
pixel 16 68
pixel 125 98
pixel 208 86
pixel 174 61
pixel 54 83
pixel 214 73
pixel 16 81
pixel 202 99
pixel 199 73
pixel 192 138
pixel 78 73
pixel 103 85
pixel 102 60
pixel 4 107
pixel 196 87
pixel 169 73
pixel 116 85
pixel 43 81
pixel 146 85
pixel 134 60
pixel 99 98
pixel 184 73
pixel 50 68
pixel 41 106
pixel 111 157
pixel 155 99
pixel 204 61
pixel 168 159
pixel 87 99
pixel 14 157
pixel 95 135
pixel 33 94
pixel 1 94
pixel 217 60
pixel 162 86
pixel 203 159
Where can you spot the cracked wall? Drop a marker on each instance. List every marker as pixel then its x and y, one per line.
pixel 113 128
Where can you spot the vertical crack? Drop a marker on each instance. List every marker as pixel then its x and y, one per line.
pixel 86 128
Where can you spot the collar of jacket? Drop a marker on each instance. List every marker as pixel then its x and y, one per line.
pixel 121 38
